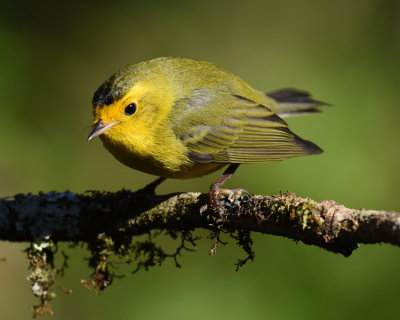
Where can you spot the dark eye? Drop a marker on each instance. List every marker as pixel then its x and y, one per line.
pixel 130 109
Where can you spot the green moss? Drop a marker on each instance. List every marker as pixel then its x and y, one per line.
pixel 101 249
pixel 42 274
pixel 300 211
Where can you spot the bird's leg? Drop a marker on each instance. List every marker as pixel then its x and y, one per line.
pixel 151 187
pixel 215 189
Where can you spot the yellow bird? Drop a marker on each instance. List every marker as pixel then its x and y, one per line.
pixel 181 118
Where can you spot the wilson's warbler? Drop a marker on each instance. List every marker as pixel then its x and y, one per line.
pixel 180 118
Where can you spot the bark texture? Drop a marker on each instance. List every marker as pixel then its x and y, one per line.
pixel 66 216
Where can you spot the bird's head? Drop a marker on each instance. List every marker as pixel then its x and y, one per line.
pixel 130 105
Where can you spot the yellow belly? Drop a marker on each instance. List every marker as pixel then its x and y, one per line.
pixel 148 163
pixel 197 170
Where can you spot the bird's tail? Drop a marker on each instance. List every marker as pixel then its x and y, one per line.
pixel 293 102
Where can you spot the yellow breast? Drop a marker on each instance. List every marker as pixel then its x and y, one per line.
pixel 166 160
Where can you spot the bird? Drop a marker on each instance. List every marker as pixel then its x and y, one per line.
pixel 181 118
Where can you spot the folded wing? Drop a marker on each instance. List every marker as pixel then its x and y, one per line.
pixel 241 131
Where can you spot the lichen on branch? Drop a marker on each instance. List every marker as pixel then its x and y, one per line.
pixel 109 223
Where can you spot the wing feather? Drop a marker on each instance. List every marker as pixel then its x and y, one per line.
pixel 245 132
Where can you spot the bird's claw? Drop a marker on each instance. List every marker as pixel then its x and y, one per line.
pixel 232 195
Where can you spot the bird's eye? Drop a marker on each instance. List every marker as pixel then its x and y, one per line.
pixel 130 109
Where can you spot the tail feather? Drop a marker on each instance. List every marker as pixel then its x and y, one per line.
pixel 293 102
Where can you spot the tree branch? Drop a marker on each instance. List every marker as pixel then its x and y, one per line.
pixel 68 216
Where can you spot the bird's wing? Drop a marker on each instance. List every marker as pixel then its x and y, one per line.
pixel 234 129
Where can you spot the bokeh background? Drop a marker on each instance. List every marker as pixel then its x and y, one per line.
pixel 53 55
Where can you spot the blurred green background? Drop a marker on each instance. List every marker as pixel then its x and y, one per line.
pixel 55 54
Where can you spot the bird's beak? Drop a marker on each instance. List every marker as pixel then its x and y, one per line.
pixel 100 128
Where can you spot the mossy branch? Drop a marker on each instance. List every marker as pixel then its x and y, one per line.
pixel 67 216
pixel 108 222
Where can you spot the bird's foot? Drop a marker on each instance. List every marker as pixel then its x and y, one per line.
pixel 232 194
